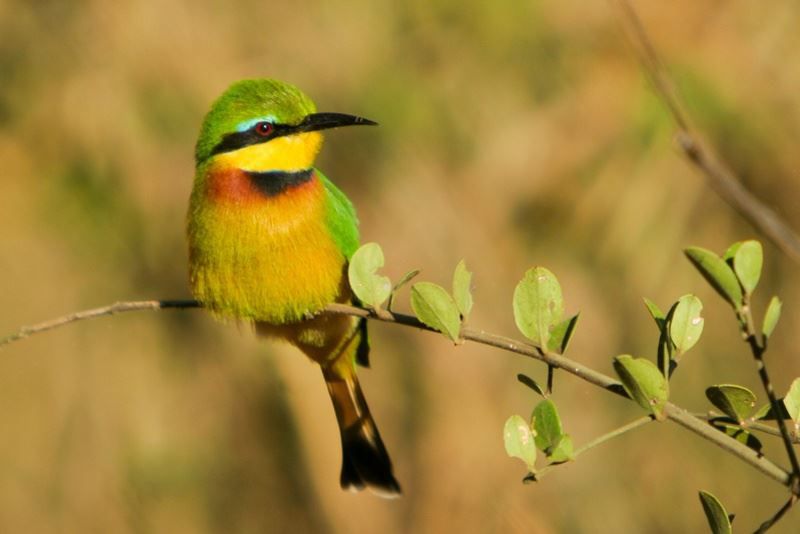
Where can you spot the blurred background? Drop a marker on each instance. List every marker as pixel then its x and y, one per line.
pixel 512 134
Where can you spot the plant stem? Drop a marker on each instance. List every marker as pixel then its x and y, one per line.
pixel 614 433
pixel 717 174
pixel 747 425
pixel 538 475
pixel 758 349
pixel 766 525
pixel 673 412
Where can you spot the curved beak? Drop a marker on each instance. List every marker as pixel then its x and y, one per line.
pixel 324 121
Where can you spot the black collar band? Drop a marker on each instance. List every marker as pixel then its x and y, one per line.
pixel 273 183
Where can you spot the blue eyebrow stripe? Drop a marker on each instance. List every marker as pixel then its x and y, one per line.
pixel 246 125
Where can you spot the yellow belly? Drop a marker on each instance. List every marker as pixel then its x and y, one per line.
pixel 271 260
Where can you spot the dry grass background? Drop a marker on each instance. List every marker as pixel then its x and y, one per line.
pixel 512 134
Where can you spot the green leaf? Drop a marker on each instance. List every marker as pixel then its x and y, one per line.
pixel 717 273
pixel 462 294
pixel 538 305
pixel 547 425
pixel 644 383
pixel 762 412
pixel 561 334
pixel 792 401
pixel 737 402
pixel 715 513
pixel 519 440
pixel 655 313
pixel 731 252
pixel 685 323
pixel 435 307
pixel 766 413
pixel 771 316
pixel 665 346
pixel 747 262
pixel 370 288
pixel 738 433
pixel 410 275
pixel 531 383
pixel 563 451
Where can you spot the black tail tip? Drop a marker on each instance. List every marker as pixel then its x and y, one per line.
pixel 366 464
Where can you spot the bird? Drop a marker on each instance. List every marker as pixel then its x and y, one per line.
pixel 270 238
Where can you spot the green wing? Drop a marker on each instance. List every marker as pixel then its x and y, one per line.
pixel 341 218
pixel 343 224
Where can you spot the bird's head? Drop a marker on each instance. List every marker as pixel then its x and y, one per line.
pixel 265 125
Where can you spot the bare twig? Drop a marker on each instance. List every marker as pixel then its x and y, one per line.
pixel 766 525
pixel 112 309
pixel 717 174
pixel 537 476
pixel 673 412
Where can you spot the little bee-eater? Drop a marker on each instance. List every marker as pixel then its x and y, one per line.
pixel 270 238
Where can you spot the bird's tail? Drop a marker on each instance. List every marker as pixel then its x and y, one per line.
pixel 365 461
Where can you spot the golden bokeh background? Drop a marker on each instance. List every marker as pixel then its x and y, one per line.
pixel 512 134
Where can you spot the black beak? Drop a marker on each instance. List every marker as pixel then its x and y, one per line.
pixel 324 121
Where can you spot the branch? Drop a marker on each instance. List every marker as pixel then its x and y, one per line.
pixel 758 349
pixel 750 424
pixel 673 412
pixel 766 525
pixel 112 309
pixel 717 174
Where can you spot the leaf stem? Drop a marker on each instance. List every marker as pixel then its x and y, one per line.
pixel 636 423
pixel 538 475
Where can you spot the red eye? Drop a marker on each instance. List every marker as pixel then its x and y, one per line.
pixel 263 128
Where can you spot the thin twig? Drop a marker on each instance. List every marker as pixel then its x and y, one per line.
pixel 758 349
pixel 749 424
pixel 535 477
pixel 717 174
pixel 766 525
pixel 673 412
pixel 614 433
pixel 112 309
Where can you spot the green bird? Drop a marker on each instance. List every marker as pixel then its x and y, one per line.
pixel 270 238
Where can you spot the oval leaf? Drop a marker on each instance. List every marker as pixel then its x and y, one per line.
pixel 519 441
pixel 462 293
pixel 538 305
pixel 792 401
pixel 731 252
pixel 370 288
pixel 410 275
pixel 561 334
pixel 435 307
pixel 715 513
pixel 737 402
pixel 771 316
pixel 740 434
pixel 717 273
pixel 547 425
pixel 563 451
pixel 686 325
pixel 531 383
pixel 644 383
pixel 747 263
pixel 655 313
